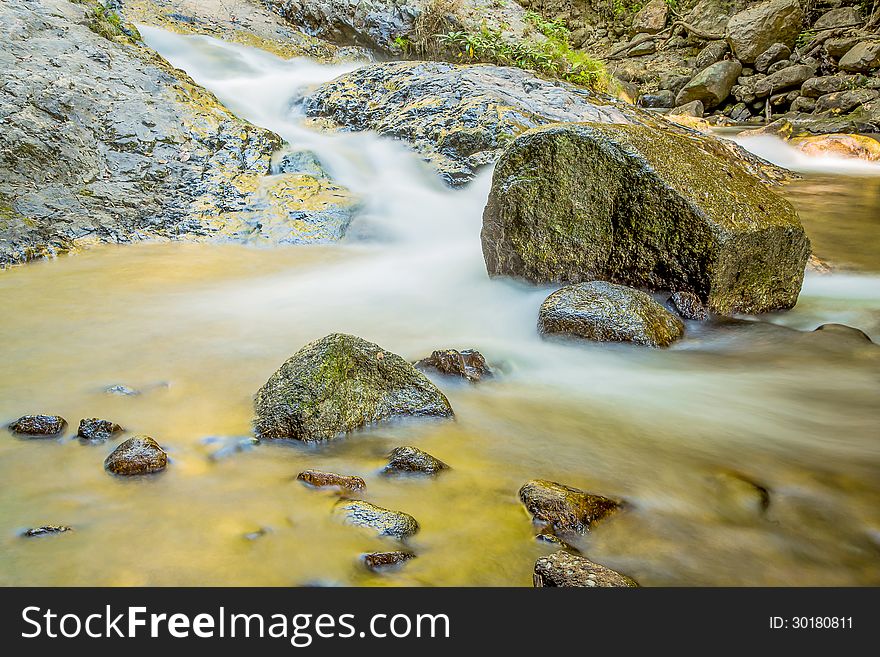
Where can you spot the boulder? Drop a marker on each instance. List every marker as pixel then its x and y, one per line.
pixel 673 82
pixel 829 84
pixel 566 569
pixel 340 383
pixel 792 76
pixel 632 205
pixel 651 18
pixel 711 16
pixel 688 305
pixel 93 429
pixel 319 479
pixel 606 312
pixel 46 530
pixel 839 46
pixel 778 66
pixel 711 85
pixel 753 30
pixel 563 508
pixel 383 560
pixel 643 48
pixel 136 456
pixel 713 52
pixel 775 53
pixel 840 17
pixel 694 108
pixel 467 364
pixel 844 331
pixel 860 147
pixel 661 100
pixel 384 522
pixel 861 58
pixel 38 425
pixel 803 104
pixel 412 459
pixel 841 102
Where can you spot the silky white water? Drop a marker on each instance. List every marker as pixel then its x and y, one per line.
pixel 200 327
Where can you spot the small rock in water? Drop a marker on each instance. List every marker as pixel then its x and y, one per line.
pixel 688 305
pixel 564 508
pixel 385 522
pixel 320 479
pixel 383 560
pixel 564 569
pixel 121 390
pixel 412 459
pixel 844 331
pixel 259 533
pixel 468 364
pixel 230 445
pixel 46 530
pixel 738 497
pixel 38 425
pixel 93 429
pixel 136 456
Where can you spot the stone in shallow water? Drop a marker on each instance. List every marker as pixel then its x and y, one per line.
pixel 606 312
pixel 94 429
pixel 46 530
pixel 737 497
pixel 136 456
pixel 845 331
pixel 385 522
pixel 563 508
pixel 468 364
pixel 412 459
pixel 38 425
pixel 121 390
pixel 383 560
pixel 688 305
pixel 319 479
pixel 564 569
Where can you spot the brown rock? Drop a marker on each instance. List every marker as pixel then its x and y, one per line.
pixel 412 459
pixel 565 569
pixel 563 508
pixel 688 305
pixel 136 456
pixel 38 425
pixel 320 479
pixel 46 530
pixel 93 429
pixel 383 560
pixel 468 364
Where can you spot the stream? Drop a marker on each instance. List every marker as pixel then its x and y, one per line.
pixel 198 328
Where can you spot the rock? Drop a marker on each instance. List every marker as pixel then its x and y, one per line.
pixel 229 445
pixel 739 113
pixel 395 524
pixel 257 534
pixel 412 459
pixel 713 52
pixel 94 429
pixel 339 383
pixel 661 100
pixel 841 17
pixel 688 305
pixel 384 560
pixel 853 146
pixel 776 52
pixel 792 76
pixel 606 312
pixel 778 66
pixel 320 479
pixel 121 390
pixel 566 569
pixel 694 108
pixel 753 30
pixel 46 530
pixel 803 104
pixel 633 205
pixel 840 46
pixel 673 82
pixel 137 456
pixel 468 364
pixel 651 18
pixel 845 101
pixel 829 84
pixel 861 58
pixel 711 85
pixel 737 497
pixel 563 508
pixel 845 331
pixel 38 425
pixel 642 49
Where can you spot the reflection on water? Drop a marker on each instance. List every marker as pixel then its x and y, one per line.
pixel 794 411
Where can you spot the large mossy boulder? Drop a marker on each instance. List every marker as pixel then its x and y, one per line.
pixel 339 383
pixel 646 208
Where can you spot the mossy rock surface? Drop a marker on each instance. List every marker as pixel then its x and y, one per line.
pixel 563 508
pixel 645 208
pixel 340 383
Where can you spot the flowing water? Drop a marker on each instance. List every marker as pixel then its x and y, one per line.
pixel 199 328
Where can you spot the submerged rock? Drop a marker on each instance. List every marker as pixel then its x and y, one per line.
pixel 412 459
pixel 844 331
pixel 340 383
pixel 136 456
pixel 38 425
pixel 468 364
pixel 384 560
pixel 737 497
pixel 46 530
pixel 97 430
pixel 606 312
pixel 633 205
pixel 121 390
pixel 319 479
pixel 563 508
pixel 395 524
pixel 688 305
pixel 565 569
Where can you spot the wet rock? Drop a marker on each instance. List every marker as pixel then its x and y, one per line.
pixel 38 425
pixel 563 508
pixel 713 52
pixel 468 364
pixel 845 101
pixel 320 479
pixel 631 205
pixel 853 146
pixel 737 497
pixel 739 113
pixel 46 530
pixel 412 459
pixel 775 53
pixel 121 390
pixel 93 429
pixel 688 305
pixel 395 524
pixel 694 108
pixel 606 312
pixel 384 560
pixel 753 30
pixel 793 76
pixel 829 84
pixel 340 383
pixel 137 456
pixel 565 569
pixel 712 85
pixel 651 18
pixel 840 17
pixel 845 331
pixel 661 100
pixel 861 58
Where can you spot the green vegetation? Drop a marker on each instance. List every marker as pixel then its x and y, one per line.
pixel 106 22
